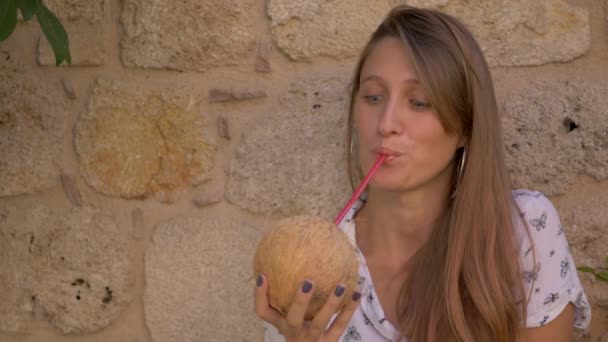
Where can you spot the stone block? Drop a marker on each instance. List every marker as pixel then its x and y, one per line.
pixel 70 268
pixel 339 29
pixel 133 143
pixel 555 132
pixel 89 11
pixel 186 35
pixel 84 23
pixel 585 221
pixel 262 59
pixel 199 281
pixel 294 162
pixel 87 46
pixel 32 117
pixel 522 32
pixel 227 95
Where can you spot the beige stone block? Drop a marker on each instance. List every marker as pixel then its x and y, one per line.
pixel 187 35
pixel 295 161
pixel 87 46
pixel 199 281
pixel 133 143
pixel 68 87
pixel 223 127
pixel 555 132
pixel 32 117
pixel 521 32
pixel 70 187
pixel 227 95
pixel 83 21
pixel 90 11
pixel 424 3
pixel 70 268
pixel 262 59
pixel 339 29
pixel 585 220
pixel 208 196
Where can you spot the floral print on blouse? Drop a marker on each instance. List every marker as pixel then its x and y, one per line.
pixel 551 281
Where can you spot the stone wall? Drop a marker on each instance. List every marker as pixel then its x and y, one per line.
pixel 135 184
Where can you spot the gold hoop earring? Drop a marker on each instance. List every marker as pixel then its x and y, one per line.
pixel 459 171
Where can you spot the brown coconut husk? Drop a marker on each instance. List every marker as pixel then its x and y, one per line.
pixel 306 248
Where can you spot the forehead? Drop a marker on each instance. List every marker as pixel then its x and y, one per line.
pixel 389 60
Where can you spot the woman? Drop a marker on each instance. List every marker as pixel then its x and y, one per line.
pixel 447 251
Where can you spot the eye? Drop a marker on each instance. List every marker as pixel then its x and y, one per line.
pixel 420 105
pixel 373 98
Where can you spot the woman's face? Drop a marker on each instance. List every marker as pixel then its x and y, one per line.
pixel 393 115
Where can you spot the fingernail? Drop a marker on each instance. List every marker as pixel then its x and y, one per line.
pixel 356 296
pixel 260 281
pixel 306 286
pixel 339 290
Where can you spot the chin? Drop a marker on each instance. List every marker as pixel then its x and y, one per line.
pixel 388 185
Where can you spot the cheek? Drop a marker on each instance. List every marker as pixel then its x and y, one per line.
pixel 433 142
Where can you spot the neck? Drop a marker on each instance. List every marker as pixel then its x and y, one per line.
pixel 394 225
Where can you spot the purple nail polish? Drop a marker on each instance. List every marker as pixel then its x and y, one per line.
pixel 260 281
pixel 356 296
pixel 306 286
pixel 339 290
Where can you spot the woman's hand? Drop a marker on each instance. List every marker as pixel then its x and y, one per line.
pixel 293 326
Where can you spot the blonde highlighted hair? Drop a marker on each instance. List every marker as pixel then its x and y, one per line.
pixel 474 291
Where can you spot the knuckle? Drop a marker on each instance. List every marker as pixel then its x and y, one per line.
pixel 293 322
pixel 316 329
pixel 301 299
pixel 339 325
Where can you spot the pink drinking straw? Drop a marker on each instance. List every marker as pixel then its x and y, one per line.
pixel 360 188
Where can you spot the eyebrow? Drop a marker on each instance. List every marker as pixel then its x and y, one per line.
pixel 378 78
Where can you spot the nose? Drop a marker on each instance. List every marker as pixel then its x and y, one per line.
pixel 388 123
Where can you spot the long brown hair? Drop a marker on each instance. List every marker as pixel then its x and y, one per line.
pixel 474 291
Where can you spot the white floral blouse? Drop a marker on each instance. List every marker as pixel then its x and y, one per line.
pixel 552 280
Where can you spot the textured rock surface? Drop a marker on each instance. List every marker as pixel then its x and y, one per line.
pixel 70 268
pixel 83 21
pixel 585 221
pixel 186 35
pixel 424 3
pixel 555 132
pixel 90 11
pixel 226 95
pixel 87 46
pixel 522 32
pixel 262 59
pixel 199 281
pixel 295 162
pixel 132 143
pixel 305 29
pixel 31 124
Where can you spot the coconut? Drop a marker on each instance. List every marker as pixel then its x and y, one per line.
pixel 306 248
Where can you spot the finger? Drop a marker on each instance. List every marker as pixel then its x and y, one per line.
pixel 297 310
pixel 262 308
pixel 331 306
pixel 339 325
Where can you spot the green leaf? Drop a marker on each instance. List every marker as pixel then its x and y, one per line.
pixel 28 8
pixel 602 276
pixel 55 34
pixel 586 269
pixel 8 18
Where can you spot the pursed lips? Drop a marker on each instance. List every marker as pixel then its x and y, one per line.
pixel 389 152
